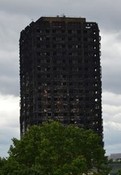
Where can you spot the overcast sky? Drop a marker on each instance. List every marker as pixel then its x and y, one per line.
pixel 16 15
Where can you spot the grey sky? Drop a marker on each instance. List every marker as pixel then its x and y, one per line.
pixel 16 15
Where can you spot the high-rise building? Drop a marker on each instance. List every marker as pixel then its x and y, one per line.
pixel 60 73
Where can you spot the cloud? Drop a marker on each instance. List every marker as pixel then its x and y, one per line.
pixel 111 62
pixel 112 121
pixel 11 25
pixel 106 12
pixel 116 148
pixel 9 72
pixel 112 137
pixel 111 99
pixel 9 121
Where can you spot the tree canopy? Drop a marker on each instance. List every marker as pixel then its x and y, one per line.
pixel 55 149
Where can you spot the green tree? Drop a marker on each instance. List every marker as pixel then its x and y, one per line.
pixel 2 163
pixel 55 149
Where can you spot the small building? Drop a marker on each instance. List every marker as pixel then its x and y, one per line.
pixel 115 157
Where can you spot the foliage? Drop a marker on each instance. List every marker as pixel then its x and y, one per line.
pixel 55 149
pixel 119 172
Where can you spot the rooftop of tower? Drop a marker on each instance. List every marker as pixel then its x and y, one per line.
pixel 62 18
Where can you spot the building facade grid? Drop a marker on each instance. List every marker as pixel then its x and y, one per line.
pixel 60 73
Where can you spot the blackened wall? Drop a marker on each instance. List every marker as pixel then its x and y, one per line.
pixel 60 73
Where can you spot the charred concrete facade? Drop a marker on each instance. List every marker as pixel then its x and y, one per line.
pixel 60 73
